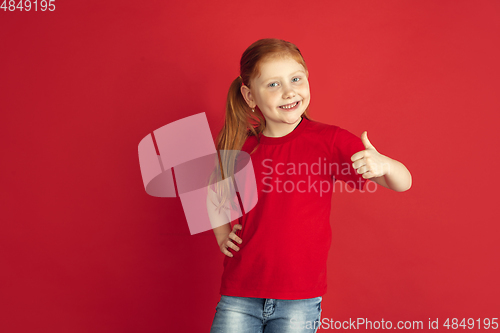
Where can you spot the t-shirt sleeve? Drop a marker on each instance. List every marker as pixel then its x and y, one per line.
pixel 242 156
pixel 346 144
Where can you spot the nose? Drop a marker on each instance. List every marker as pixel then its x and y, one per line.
pixel 288 92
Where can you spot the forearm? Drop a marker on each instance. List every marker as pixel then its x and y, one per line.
pixel 397 176
pixel 222 232
pixel 218 219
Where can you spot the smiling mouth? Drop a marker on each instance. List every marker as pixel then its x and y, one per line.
pixel 289 106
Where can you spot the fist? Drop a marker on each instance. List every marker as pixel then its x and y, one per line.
pixel 369 162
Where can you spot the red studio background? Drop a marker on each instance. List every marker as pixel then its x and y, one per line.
pixel 83 247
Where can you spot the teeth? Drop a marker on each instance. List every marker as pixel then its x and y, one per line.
pixel 289 107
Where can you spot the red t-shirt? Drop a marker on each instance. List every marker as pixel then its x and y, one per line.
pixel 287 235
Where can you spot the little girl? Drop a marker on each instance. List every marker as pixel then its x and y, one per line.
pixel 275 265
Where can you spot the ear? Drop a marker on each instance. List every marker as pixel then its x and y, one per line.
pixel 247 95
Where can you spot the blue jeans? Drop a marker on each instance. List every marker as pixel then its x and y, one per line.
pixel 266 315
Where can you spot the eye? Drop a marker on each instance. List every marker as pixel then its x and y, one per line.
pixel 271 84
pixel 298 78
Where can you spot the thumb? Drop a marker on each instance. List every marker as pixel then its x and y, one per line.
pixel 366 142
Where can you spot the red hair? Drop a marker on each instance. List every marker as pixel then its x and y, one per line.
pixel 240 122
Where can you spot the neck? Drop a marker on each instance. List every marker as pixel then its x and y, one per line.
pixel 279 130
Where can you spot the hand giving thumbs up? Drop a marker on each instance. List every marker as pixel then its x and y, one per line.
pixel 369 162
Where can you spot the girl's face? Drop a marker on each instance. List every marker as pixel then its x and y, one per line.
pixel 282 82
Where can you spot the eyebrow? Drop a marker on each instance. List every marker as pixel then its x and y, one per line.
pixel 277 77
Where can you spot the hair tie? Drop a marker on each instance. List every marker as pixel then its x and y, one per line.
pixel 239 76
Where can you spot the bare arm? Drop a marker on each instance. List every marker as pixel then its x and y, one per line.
pixel 221 226
pixel 396 177
pixel 222 233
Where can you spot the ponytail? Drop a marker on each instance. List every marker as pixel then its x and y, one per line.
pixel 239 123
